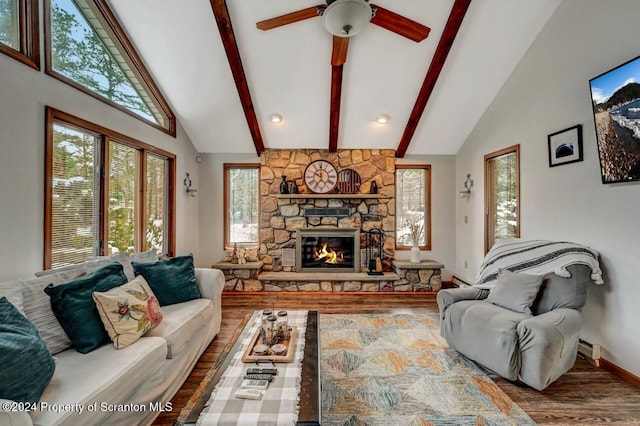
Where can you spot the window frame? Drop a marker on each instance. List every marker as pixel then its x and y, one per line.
pixel 29 32
pixel 105 135
pixel 427 201
pixel 487 190
pixel 127 49
pixel 226 207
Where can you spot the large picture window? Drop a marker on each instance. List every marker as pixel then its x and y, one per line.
pixel 502 195
pixel 87 48
pixel 19 23
pixel 241 182
pixel 413 206
pixel 106 193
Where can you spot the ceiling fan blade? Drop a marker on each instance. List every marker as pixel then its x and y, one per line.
pixel 399 24
pixel 290 18
pixel 339 54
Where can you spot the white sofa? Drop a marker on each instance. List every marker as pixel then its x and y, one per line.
pixel 133 385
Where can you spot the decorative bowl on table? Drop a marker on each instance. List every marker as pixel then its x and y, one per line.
pixel 261 350
pixel 279 349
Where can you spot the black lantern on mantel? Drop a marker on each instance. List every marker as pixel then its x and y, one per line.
pixel 374 242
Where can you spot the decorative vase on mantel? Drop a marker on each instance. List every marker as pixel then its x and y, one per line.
pixel 415 254
pixel 284 186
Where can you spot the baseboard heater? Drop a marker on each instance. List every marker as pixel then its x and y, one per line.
pixel 589 351
pixel 459 282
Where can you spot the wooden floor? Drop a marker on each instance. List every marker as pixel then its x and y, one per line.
pixel 587 395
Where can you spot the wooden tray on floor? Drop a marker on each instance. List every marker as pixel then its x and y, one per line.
pixel 288 357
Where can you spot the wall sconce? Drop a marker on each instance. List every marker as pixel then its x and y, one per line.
pixel 467 187
pixel 187 185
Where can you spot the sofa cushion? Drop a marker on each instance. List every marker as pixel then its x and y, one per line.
pixel 172 280
pixel 76 270
pixel 37 305
pixel 73 306
pixel 125 260
pixel 180 323
pixel 558 292
pixel 12 291
pixel 105 375
pixel 27 364
pixel 127 312
pixel 469 324
pixel 515 291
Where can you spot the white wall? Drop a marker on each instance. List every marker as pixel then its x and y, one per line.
pixel 443 202
pixel 549 91
pixel 211 195
pixel 24 93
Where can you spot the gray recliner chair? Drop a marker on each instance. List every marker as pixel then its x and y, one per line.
pixel 536 349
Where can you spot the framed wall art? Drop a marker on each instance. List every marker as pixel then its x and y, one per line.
pixel 615 98
pixel 565 146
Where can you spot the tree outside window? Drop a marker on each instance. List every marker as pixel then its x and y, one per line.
pixel 241 204
pixel 109 194
pixel 19 35
pixel 88 49
pixel 74 229
pixel 413 205
pixel 502 195
pixel 9 24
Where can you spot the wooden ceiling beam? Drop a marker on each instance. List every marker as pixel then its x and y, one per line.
pixel 221 14
pixel 451 29
pixel 334 114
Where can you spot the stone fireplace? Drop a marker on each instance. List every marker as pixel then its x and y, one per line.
pixel 282 215
pixel 294 229
pixel 328 250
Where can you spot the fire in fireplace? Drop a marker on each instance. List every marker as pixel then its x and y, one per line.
pixel 328 250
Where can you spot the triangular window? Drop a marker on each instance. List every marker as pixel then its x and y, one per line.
pixel 88 49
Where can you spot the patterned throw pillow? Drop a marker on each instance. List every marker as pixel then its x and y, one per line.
pixel 128 311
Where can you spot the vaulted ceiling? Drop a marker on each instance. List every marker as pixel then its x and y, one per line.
pixel 287 70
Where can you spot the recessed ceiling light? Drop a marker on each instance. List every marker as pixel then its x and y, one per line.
pixel 383 119
pixel 275 118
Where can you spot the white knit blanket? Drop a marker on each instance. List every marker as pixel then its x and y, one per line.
pixel 536 257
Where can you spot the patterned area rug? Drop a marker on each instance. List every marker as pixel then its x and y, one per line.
pixel 396 370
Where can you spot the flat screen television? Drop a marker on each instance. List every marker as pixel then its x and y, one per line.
pixel 615 96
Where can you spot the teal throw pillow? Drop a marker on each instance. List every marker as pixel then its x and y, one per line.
pixel 172 280
pixel 73 305
pixel 26 364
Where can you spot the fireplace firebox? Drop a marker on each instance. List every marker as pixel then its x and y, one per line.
pixel 328 250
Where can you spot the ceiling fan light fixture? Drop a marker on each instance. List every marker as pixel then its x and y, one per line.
pixel 383 118
pixel 346 18
pixel 275 118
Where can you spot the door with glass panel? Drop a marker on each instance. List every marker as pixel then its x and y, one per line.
pixel 502 195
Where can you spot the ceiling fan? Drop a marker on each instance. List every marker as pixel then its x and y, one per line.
pixel 344 19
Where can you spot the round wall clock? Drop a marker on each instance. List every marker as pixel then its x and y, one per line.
pixel 320 176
